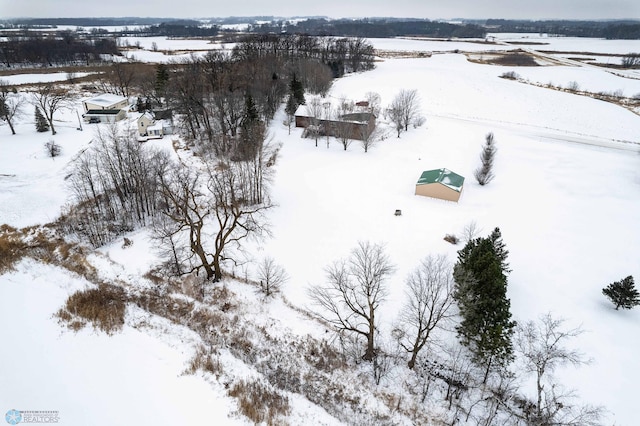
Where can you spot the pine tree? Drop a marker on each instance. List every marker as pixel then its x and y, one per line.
pixel 481 287
pixel 623 293
pixel 297 90
pixel 251 130
pixel 250 110
pixel 161 83
pixel 290 108
pixel 41 122
pixel 484 173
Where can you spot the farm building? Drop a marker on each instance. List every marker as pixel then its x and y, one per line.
pixel 104 115
pixel 440 183
pixel 357 125
pixel 106 101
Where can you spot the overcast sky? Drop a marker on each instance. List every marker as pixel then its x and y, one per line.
pixel 431 9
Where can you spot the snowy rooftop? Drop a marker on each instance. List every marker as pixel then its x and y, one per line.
pixel 106 99
pixel 443 176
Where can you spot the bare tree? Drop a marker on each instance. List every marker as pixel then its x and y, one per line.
pixel 471 231
pixel 188 210
pixel 50 99
pixel 314 113
pixel 630 60
pixel 355 288
pixel 370 137
pixel 10 105
pixel 404 109
pixel 429 299
pixel 484 173
pixel 541 346
pixel 374 100
pixel 271 276
pixel 119 79
pixel 221 202
pixel 343 127
pixel 52 148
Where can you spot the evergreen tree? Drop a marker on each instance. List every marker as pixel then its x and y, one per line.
pixel 290 108
pixel 251 115
pixel 162 80
pixel 291 105
pixel 481 287
pixel 623 293
pixel 297 90
pixel 484 173
pixel 140 105
pixel 251 130
pixel 41 122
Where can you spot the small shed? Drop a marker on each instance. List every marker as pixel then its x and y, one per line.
pixel 440 183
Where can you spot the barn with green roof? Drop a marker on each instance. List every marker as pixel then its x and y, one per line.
pixel 440 183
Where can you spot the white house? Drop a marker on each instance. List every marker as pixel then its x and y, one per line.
pixel 149 127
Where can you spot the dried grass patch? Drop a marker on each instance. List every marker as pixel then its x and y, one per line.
pixel 260 403
pixel 104 307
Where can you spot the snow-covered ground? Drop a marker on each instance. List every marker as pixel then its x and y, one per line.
pixel 39 78
pixel 565 197
pixel 570 44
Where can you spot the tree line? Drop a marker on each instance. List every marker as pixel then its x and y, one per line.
pixel 623 29
pixel 372 27
pixel 66 48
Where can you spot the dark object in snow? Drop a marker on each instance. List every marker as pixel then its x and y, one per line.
pixel 623 293
pixel 398 212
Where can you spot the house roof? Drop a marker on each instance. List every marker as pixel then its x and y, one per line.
pixel 148 115
pixel 106 99
pixel 102 112
pixel 359 117
pixel 163 114
pixel 443 176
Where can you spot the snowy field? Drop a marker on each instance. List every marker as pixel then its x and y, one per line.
pixel 570 44
pixel 39 78
pixel 565 197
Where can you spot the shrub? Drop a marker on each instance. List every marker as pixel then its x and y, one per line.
pixel 259 402
pixel 510 75
pixel 450 238
pixel 12 247
pixel 202 361
pixel 573 86
pixel 104 307
pixel 52 149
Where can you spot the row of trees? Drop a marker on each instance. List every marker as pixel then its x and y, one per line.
pixel 357 286
pixel 200 212
pixel 372 27
pixel 342 55
pixel 64 49
pixel 47 101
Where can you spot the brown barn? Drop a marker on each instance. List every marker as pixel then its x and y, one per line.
pixel 440 183
pixel 357 124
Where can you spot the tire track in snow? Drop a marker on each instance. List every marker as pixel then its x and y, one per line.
pixel 548 133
